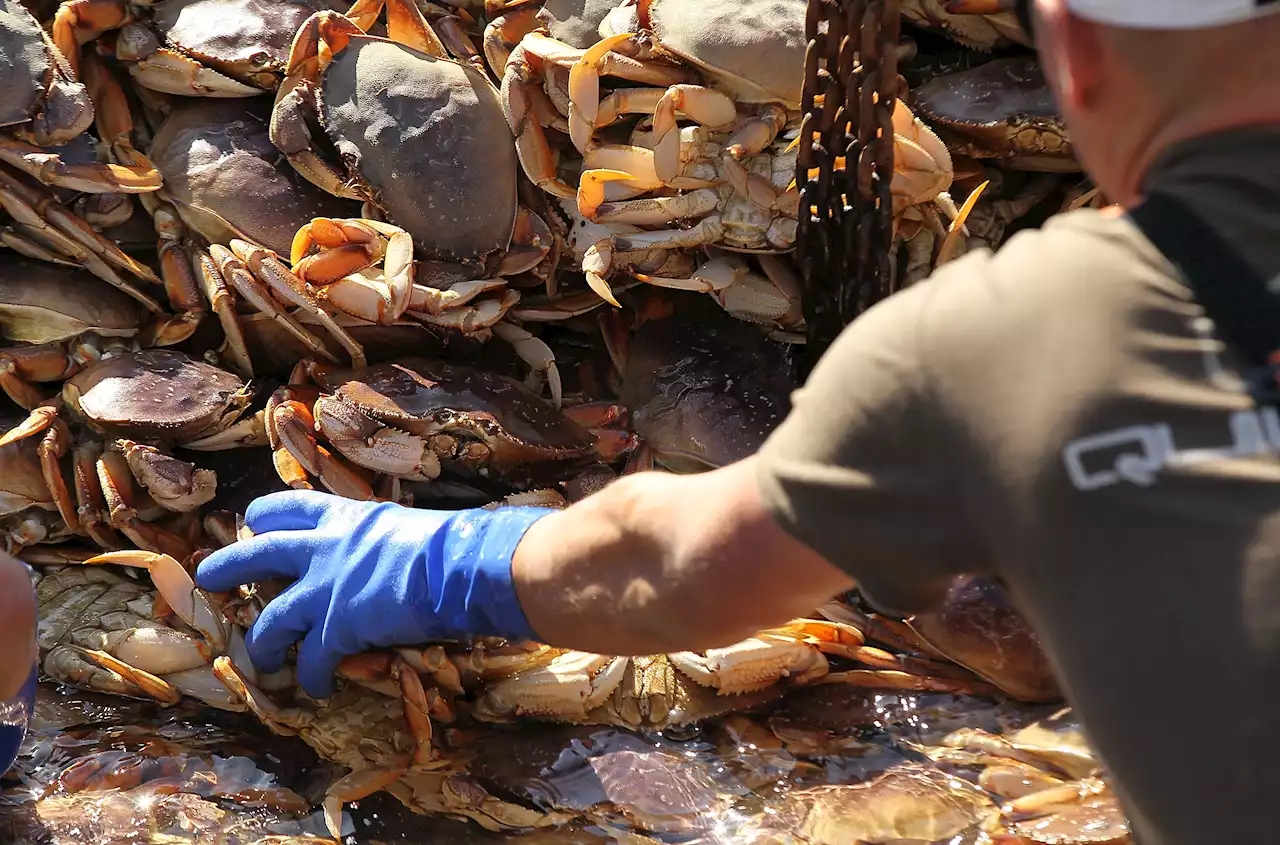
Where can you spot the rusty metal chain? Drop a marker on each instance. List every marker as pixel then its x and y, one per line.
pixel 845 163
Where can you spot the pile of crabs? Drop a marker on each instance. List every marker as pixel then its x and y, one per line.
pixel 455 254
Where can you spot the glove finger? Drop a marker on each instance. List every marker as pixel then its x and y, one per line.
pixel 282 623
pixel 282 555
pixel 291 510
pixel 317 664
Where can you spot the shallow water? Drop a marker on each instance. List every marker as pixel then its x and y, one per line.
pixel 193 774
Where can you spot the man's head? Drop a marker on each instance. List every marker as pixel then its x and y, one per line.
pixel 1135 76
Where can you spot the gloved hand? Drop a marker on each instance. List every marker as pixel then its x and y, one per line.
pixel 371 574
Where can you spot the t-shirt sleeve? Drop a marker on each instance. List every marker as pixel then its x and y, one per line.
pixel 859 471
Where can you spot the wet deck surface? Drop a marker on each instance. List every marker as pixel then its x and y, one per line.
pixel 192 774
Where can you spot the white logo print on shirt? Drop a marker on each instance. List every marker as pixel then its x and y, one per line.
pixel 1138 453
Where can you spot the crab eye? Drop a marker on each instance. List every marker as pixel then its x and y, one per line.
pixel 260 59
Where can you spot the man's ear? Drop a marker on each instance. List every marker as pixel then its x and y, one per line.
pixel 1071 52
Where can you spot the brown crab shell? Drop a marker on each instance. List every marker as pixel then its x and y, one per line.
pixel 227 180
pixel 704 395
pixel 42 303
pixel 1005 105
pixel 24 74
pixel 432 397
pixel 35 81
pixel 979 627
pixel 576 22
pixel 428 140
pixel 156 394
pixel 754 49
pixel 248 40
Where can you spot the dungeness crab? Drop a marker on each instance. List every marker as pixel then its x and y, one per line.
pixel 1003 109
pixel 414 419
pixel 43 104
pixel 196 48
pixel 421 136
pixel 659 691
pixel 98 630
pixel 29 508
pixel 64 319
pixel 145 402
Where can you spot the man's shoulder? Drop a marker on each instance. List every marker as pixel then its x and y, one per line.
pixel 1085 269
pixel 1079 255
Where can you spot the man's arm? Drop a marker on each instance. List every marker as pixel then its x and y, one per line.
pixel 656 563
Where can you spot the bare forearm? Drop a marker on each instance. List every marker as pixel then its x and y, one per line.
pixel 18 623
pixel 658 563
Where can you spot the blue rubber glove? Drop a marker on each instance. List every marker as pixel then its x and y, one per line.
pixel 15 717
pixel 369 575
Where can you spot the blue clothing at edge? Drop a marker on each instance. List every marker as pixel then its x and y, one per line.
pixel 15 717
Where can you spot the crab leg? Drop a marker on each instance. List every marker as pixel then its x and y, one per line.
pixel 219 295
pixel 81 21
pixel 531 243
pixel 348 246
pixel 506 31
pixel 114 122
pixel 591 187
pixel 100 671
pixel 708 231
pixel 371 445
pixel 520 96
pixel 657 210
pixel 534 352
pixel 702 105
pixel 191 604
pixel 49 169
pixel 89 497
pixel 716 274
pixel 291 430
pixel 264 264
pixel 584 89
pixel 116 479
pixel 32 249
pixel 237 274
pixel 890 679
pixel 633 160
pixel 22 365
pixel 623 101
pixel 53 446
pixel 756 133
pixel 427 301
pixel 607 63
pixel 39 420
pixel 472 318
pixel 38 213
pixel 174 485
pixel 170 72
pixel 405 24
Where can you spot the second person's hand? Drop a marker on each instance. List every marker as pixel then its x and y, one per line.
pixel 369 575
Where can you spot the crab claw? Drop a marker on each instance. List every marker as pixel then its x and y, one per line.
pixel 584 90
pixel 952 241
pixel 190 603
pixel 596 264
pixel 37 421
pixel 591 189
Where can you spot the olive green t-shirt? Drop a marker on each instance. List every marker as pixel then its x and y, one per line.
pixel 1063 414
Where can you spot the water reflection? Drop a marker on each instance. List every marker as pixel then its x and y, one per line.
pixel 828 765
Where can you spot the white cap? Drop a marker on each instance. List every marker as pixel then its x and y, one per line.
pixel 1172 14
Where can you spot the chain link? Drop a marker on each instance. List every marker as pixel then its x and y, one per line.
pixel 845 163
